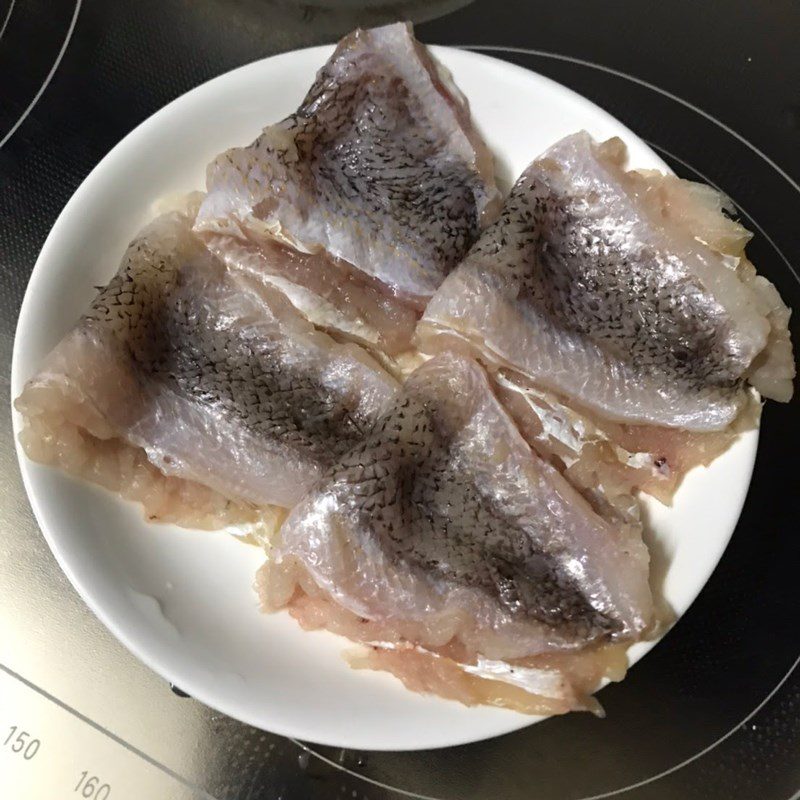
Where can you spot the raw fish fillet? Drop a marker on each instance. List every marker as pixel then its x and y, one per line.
pixel 327 291
pixel 627 293
pixel 553 683
pixel 210 391
pixel 539 685
pixel 608 462
pixel 611 461
pixel 446 532
pixel 380 172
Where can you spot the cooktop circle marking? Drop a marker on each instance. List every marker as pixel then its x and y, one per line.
pixel 7 18
pixel 768 238
pixel 611 71
pixel 708 180
pixel 702 752
pixel 50 74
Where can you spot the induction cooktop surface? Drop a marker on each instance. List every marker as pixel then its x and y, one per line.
pixel 712 712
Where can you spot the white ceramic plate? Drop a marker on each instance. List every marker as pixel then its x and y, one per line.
pixel 183 601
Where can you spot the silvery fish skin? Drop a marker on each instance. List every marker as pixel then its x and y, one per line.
pixel 444 522
pixel 380 167
pixel 326 291
pixel 219 381
pixel 610 460
pixel 551 683
pixel 597 284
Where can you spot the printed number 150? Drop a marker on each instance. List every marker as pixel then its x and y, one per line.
pixel 22 743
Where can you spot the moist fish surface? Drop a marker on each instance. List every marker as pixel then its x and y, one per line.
pixel 551 683
pixel 380 169
pixel 444 531
pixel 328 292
pixel 627 293
pixel 611 461
pixel 200 383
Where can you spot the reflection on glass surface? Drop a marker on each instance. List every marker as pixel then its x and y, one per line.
pixel 146 742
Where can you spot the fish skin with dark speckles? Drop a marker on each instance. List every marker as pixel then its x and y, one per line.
pixel 628 293
pixel 218 380
pixel 380 167
pixel 445 523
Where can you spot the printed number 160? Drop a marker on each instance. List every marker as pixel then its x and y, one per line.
pixel 90 787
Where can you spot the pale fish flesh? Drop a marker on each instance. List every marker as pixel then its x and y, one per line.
pixel 627 293
pixel 443 530
pixel 211 392
pixel 379 171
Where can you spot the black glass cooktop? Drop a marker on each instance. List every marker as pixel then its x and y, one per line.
pixel 714 711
